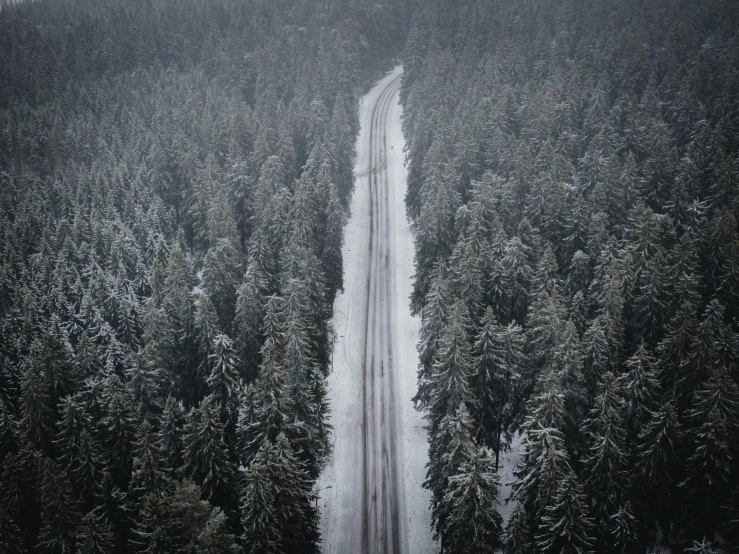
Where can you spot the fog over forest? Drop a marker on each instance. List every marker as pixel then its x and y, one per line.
pixel 388 277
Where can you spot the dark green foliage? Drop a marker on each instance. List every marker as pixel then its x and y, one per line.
pixel 565 523
pixel 182 522
pixel 11 540
pixel 207 459
pixel 60 518
pixel 473 523
pixel 276 506
pixel 174 176
pixel 94 536
pixel 517 538
pixel 604 225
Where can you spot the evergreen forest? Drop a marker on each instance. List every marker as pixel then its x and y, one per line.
pixel 175 177
pixel 574 187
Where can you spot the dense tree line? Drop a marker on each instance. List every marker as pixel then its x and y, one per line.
pixel 174 178
pixel 574 189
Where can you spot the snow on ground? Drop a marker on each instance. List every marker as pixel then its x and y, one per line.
pixel 509 459
pixel 415 438
pixel 339 486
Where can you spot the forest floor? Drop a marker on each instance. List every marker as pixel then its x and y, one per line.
pixel 370 494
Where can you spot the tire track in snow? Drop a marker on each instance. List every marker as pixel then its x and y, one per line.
pixel 382 496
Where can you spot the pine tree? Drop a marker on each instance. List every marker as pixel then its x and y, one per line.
pixel 473 523
pixel 565 525
pixel 248 321
pixel 715 427
pixel 59 515
pixel 640 389
pixel 11 539
pixel 223 379
pixel 172 423
pixel 450 381
pixel 435 315
pixel 517 539
pixel 94 536
pixel 497 358
pixel 148 475
pixel 206 455
pixel 451 445
pixel 272 411
pixel 260 519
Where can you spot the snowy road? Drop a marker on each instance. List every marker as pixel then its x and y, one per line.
pixel 370 492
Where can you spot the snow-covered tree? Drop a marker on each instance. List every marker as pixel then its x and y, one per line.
pixel 473 522
pixel 565 525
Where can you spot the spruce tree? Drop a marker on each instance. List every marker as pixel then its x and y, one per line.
pixel 331 253
pixel 450 381
pixel 248 321
pixel 517 538
pixel 435 315
pixel 11 539
pixel 293 495
pixel 473 522
pixel 623 531
pixel 37 413
pixel 260 520
pixel 640 389
pixel 606 468
pixel 565 525
pixel 497 359
pixel 206 456
pixel 451 445
pixel 713 434
pixel 172 423
pixel 272 408
pixel 114 509
pixel 118 429
pixel 223 379
pixel 60 518
pixel 658 461
pixel 94 536
pixel 149 469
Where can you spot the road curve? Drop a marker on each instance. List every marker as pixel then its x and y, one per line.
pixel 362 490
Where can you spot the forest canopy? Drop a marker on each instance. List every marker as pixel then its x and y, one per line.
pixel 174 178
pixel 574 187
